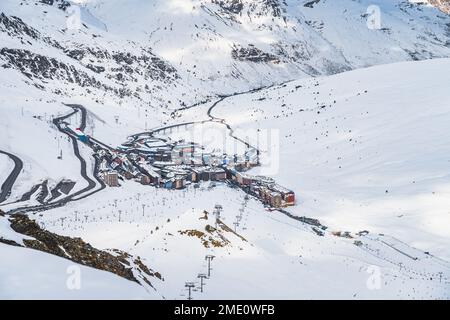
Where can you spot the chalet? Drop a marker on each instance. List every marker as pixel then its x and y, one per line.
pixel 275 200
pixel 201 174
pixel 145 180
pixel 167 174
pixel 206 157
pixel 155 177
pixel 111 178
pixel 167 183
pixel 194 161
pixel 262 180
pixel 264 195
pixel 243 179
pixel 116 162
pixel 252 157
pixel 163 164
pixel 204 175
pixel 288 196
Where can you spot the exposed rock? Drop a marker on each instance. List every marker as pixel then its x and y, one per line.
pixel 61 4
pixel 36 66
pixel 15 27
pixel 75 249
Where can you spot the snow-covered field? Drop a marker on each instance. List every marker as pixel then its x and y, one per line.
pixel 30 274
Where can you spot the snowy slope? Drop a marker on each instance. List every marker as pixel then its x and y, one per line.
pixel 372 128
pixel 367 149
pixel 270 256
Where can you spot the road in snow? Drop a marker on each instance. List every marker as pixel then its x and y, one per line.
pixel 11 179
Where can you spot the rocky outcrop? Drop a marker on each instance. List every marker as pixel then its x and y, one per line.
pixel 75 249
pixel 15 27
pixel 36 66
pixel 146 64
pixel 253 54
pixel 272 8
pixel 60 4
pixel 130 72
pixel 231 6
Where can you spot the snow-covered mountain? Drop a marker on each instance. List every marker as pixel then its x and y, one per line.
pixel 355 89
pixel 133 49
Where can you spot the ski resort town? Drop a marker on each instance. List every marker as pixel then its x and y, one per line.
pixel 175 165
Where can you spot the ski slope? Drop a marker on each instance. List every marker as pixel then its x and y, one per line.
pixel 366 149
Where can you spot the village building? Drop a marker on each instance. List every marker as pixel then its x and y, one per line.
pixel 162 155
pixel 176 165
pixel 167 183
pixel 181 150
pixel 243 179
pixel 145 180
pixel 111 178
pixel 155 177
pixel 217 174
pixel 275 200
pixel 127 175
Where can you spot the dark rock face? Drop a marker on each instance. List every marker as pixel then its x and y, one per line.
pixel 61 4
pixel 14 26
pixel 147 65
pixel 125 65
pixel 310 4
pixel 75 249
pixel 36 66
pixel 253 54
pixel 257 8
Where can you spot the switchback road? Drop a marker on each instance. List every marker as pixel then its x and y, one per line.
pixel 9 182
pixel 92 185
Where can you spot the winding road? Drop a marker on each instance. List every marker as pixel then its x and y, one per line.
pixel 9 182
pixel 91 188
